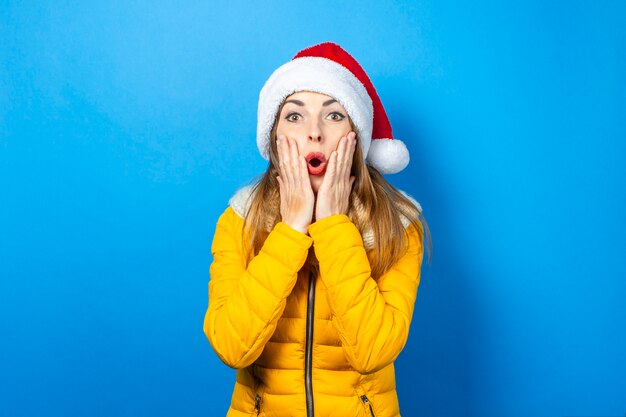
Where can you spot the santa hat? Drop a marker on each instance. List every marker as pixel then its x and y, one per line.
pixel 328 69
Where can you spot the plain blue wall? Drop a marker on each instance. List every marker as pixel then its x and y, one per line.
pixel 126 126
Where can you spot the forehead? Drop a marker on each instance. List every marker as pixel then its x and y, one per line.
pixel 309 97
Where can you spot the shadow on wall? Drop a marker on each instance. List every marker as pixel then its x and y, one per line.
pixel 433 371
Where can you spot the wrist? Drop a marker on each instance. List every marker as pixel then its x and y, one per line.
pixel 302 228
pixel 325 213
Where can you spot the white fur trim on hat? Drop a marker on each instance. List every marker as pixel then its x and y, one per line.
pixel 319 75
pixel 388 155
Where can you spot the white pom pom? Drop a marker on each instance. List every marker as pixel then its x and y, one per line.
pixel 388 155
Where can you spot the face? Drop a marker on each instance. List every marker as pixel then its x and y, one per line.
pixel 316 122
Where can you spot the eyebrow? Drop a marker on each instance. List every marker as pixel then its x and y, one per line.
pixel 300 103
pixel 297 102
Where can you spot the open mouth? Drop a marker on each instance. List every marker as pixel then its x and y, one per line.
pixel 316 163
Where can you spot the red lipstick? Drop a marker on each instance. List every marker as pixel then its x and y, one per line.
pixel 316 163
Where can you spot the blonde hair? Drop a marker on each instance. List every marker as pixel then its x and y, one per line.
pixel 372 197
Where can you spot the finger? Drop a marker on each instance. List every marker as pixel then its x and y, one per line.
pixel 352 142
pixel 300 170
pixel 280 142
pixel 280 185
pixel 280 145
pixel 349 154
pixel 283 197
pixel 295 158
pixel 331 170
pixel 342 158
pixel 281 188
pixel 303 172
pixel 341 147
pixel 288 175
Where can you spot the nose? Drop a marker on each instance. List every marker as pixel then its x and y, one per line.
pixel 315 137
pixel 315 133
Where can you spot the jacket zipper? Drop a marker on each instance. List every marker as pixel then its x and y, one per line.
pixel 257 404
pixel 366 401
pixel 308 353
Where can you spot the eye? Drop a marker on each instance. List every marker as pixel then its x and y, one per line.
pixel 336 116
pixel 293 117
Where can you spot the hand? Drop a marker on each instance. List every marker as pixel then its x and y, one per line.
pixel 333 196
pixel 296 194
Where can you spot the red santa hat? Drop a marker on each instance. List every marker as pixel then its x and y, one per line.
pixel 328 69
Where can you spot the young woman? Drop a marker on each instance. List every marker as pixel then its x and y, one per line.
pixel 316 266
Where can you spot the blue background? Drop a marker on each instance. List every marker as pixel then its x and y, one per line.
pixel 126 126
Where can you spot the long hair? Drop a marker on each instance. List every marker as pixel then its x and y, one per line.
pixel 372 197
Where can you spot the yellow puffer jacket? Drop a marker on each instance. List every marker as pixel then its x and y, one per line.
pixel 306 345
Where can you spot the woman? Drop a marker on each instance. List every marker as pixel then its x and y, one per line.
pixel 316 266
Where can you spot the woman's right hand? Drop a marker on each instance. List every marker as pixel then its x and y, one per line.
pixel 297 200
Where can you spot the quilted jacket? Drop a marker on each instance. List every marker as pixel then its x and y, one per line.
pixel 309 341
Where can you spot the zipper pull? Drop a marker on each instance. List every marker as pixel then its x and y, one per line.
pixel 257 404
pixel 367 402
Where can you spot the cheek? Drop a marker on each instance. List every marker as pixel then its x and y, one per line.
pixel 286 129
pixel 280 128
pixel 335 133
pixel 334 142
pixel 292 132
pixel 344 126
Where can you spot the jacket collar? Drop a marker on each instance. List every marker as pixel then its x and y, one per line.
pixel 240 203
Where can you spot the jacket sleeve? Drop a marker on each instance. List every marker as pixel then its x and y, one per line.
pixel 371 316
pixel 246 301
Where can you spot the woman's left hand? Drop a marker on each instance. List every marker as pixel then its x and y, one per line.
pixel 334 192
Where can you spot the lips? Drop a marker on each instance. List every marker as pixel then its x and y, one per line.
pixel 316 163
